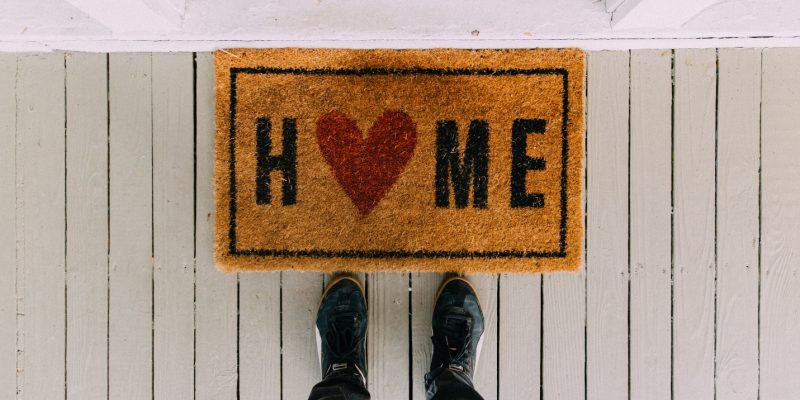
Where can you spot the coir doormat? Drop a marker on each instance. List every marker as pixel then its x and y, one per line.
pixel 364 160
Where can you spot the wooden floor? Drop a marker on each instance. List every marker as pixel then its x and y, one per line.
pixel 691 286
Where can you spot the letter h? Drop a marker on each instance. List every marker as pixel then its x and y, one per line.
pixel 285 162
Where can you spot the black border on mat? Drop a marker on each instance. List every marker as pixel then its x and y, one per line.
pixel 318 253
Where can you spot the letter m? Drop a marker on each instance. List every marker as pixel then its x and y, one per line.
pixel 471 170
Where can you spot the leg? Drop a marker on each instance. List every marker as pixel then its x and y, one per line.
pixel 457 329
pixel 451 385
pixel 341 339
pixel 339 388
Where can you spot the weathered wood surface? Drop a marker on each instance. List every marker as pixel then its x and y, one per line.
pixel 689 288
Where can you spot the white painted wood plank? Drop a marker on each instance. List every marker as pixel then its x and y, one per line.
pixel 655 14
pixel 650 224
pixel 260 336
pixel 132 15
pixel 611 5
pixel 8 233
pixel 519 337
pixel 563 337
pixel 87 226
pixel 423 293
pixel 40 113
pixel 607 226
pixel 130 227
pixel 485 377
pixel 564 319
pixel 215 313
pixel 173 225
pixel 737 223
pixel 387 347
pixel 694 223
pixel 300 293
pixel 780 225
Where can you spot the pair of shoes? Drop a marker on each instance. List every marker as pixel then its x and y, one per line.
pixel 342 329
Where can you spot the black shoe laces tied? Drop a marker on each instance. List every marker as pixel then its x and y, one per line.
pixel 342 339
pixel 455 340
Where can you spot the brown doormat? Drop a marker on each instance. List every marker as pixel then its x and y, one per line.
pixel 399 160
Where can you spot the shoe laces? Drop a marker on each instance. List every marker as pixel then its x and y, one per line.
pixel 343 339
pixel 454 339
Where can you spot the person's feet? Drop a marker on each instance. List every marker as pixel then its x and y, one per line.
pixel 457 328
pixel 342 330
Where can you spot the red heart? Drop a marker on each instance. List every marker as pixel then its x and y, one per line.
pixel 367 167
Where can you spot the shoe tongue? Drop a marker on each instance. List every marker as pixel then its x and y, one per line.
pixel 456 329
pixel 342 335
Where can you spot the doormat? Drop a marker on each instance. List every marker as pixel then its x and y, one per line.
pixel 399 160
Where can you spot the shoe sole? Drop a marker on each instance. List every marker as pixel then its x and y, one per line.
pixel 328 287
pixel 477 298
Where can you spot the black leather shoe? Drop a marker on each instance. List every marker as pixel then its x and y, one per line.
pixel 342 330
pixel 457 329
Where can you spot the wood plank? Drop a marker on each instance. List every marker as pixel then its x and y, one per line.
pixel 387 347
pixel 87 225
pixel 780 225
pixel 564 319
pixel 485 378
pixel 563 337
pixel 654 14
pixel 216 309
pixel 173 225
pixel 694 223
pixel 300 293
pixel 607 225
pixel 739 103
pixel 40 113
pixel 128 16
pixel 423 293
pixel 650 224
pixel 519 343
pixel 8 218
pixel 130 344
pixel 260 336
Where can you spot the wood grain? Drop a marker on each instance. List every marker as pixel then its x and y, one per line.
pixel 738 113
pixel 81 222
pixel 564 319
pixel 40 124
pixel 607 274
pixel 388 341
pixel 260 336
pixel 300 293
pixel 173 225
pixel 216 293
pixel 8 234
pixel 780 225
pixel 519 340
pixel 87 225
pixel 650 225
pixel 694 223
pixel 130 344
pixel 563 337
